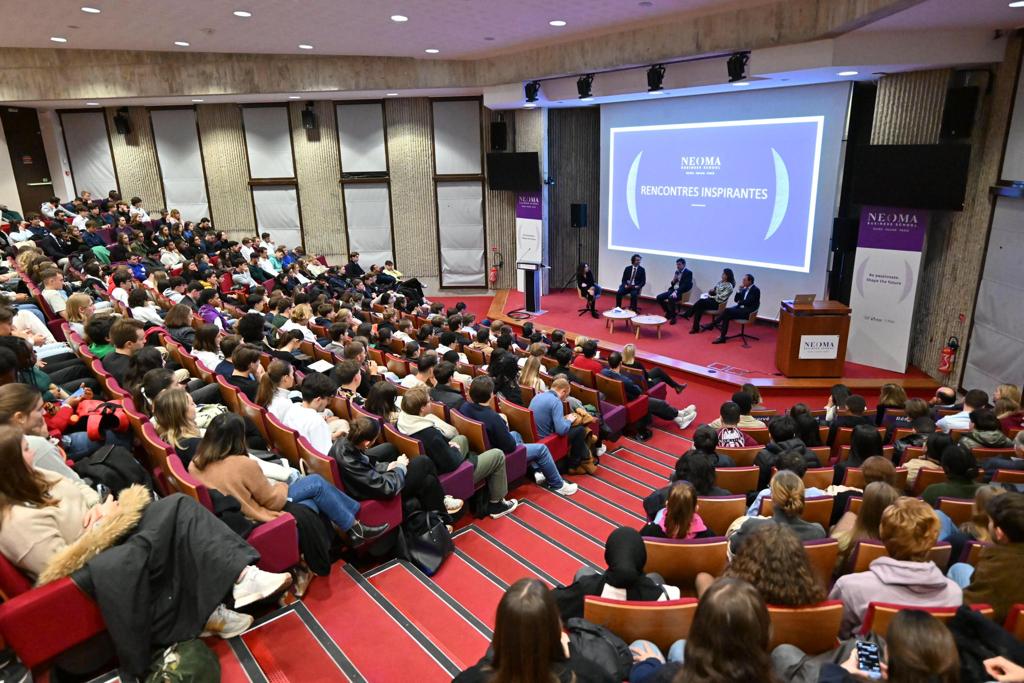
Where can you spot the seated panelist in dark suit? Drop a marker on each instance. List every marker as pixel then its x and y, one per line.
pixel 748 300
pixel 682 282
pixel 634 277
pixel 711 300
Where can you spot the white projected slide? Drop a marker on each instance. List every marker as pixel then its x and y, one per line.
pixel 746 181
pixel 753 182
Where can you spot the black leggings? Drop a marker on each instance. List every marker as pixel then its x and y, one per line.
pixel 655 375
pixel 421 482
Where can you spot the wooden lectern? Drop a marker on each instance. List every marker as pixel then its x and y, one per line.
pixel 812 338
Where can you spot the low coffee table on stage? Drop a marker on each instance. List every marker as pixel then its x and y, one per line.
pixel 655 321
pixel 618 314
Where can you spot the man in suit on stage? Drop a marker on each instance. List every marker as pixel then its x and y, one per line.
pixel 634 277
pixel 748 300
pixel 682 282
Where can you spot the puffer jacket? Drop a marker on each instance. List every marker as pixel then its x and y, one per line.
pixel 363 478
pixel 992 438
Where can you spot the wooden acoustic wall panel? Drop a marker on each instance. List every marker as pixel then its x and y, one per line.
pixel 501 212
pixel 411 167
pixel 908 108
pixel 574 151
pixel 317 171
pixel 957 241
pixel 138 171
pixel 227 170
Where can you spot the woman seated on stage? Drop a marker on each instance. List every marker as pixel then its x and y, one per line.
pixel 715 297
pixel 652 376
pixel 589 289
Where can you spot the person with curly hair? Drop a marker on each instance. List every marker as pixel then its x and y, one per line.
pixel 774 561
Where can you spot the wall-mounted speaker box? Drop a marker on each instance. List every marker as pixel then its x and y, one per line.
pixel 958 114
pixel 122 124
pixel 499 136
pixel 308 119
pixel 578 215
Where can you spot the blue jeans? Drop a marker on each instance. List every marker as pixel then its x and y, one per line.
pixel 78 445
pixel 946 526
pixel 314 492
pixel 961 573
pixel 538 455
pixel 675 653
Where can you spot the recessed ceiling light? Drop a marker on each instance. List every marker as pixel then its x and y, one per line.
pixel 431 50
pixel 90 10
pixel 847 73
pixel 557 23
pixel 294 97
pixel 92 104
pixel 242 13
pixel 1017 3
pixel 58 39
pixel 530 105
pixel 740 84
pixel 181 43
pixel 488 37
pixel 399 18
pixel 646 3
pixel 392 94
pixel 304 46
pixel 197 100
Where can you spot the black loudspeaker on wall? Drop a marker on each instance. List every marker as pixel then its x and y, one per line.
pixel 578 215
pixel 499 136
pixel 308 119
pixel 122 124
pixel 958 114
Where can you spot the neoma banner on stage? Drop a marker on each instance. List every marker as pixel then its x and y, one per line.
pixel 529 228
pixel 743 192
pixel 886 271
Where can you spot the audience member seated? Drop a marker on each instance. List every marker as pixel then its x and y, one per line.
pixel 311 418
pixel 442 391
pixel 624 579
pixel 742 399
pixel 961 474
pixel 527 620
pixel 782 430
pixel 179 325
pixel 448 449
pixel 174 417
pixel 891 395
pixel 653 375
pixel 655 406
pixel 923 427
pixel 774 561
pixel 930 459
pixel 587 358
pixel 383 401
pixel 1015 461
pixel 127 336
pixel 276 389
pixel 855 415
pixel 729 434
pixel 863 525
pixel 424 375
pixel 58 381
pixel 698 468
pixel 788 461
pixel 247 370
pixel 787 492
pixel 975 399
pixel 728 641
pixel 538 455
pixel 986 432
pixel 705 441
pixel 124 551
pixel 143 309
pixel 908 529
pixel 865 442
pixel 551 419
pixel 380 472
pixel 679 518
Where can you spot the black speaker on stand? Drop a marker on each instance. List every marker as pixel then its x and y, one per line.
pixel 578 223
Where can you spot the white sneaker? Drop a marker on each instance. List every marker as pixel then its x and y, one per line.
pixel 684 419
pixel 601 451
pixel 226 623
pixel 256 584
pixel 539 477
pixel 568 488
pixel 452 504
pixel 690 409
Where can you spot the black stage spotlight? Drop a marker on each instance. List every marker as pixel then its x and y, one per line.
pixel 584 85
pixel 532 88
pixel 737 66
pixel 655 75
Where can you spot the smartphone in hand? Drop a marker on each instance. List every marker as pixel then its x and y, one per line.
pixel 868 660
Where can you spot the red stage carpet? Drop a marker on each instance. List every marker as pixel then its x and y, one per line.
pixel 676 341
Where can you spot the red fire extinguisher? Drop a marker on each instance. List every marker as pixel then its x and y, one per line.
pixel 948 356
pixel 493 275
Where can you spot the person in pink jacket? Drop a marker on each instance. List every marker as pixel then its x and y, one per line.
pixel 909 529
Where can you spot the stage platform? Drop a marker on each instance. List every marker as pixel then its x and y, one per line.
pixel 693 354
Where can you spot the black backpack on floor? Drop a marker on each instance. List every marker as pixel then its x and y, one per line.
pixel 598 645
pixel 114 467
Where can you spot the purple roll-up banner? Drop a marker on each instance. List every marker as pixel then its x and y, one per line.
pixel 889 245
pixel 529 228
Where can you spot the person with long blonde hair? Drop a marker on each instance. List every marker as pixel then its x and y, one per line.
pixel 651 376
pixel 878 495
pixel 787 494
pixel 300 318
pixel 891 395
pixel 174 416
pixel 529 376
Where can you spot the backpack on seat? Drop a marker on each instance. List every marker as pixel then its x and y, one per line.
pixel 600 646
pixel 100 416
pixel 731 437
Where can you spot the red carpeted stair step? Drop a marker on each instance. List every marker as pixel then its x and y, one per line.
pixel 670 439
pixel 563 531
pixel 653 453
pixel 231 670
pixel 438 616
pixel 656 466
pixel 627 486
pixel 642 472
pixel 494 558
pixel 286 650
pixel 588 520
pixel 543 555
pixel 478 592
pixel 621 514
pixel 362 622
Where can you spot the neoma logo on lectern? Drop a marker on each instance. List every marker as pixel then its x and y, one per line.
pixel 819 346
